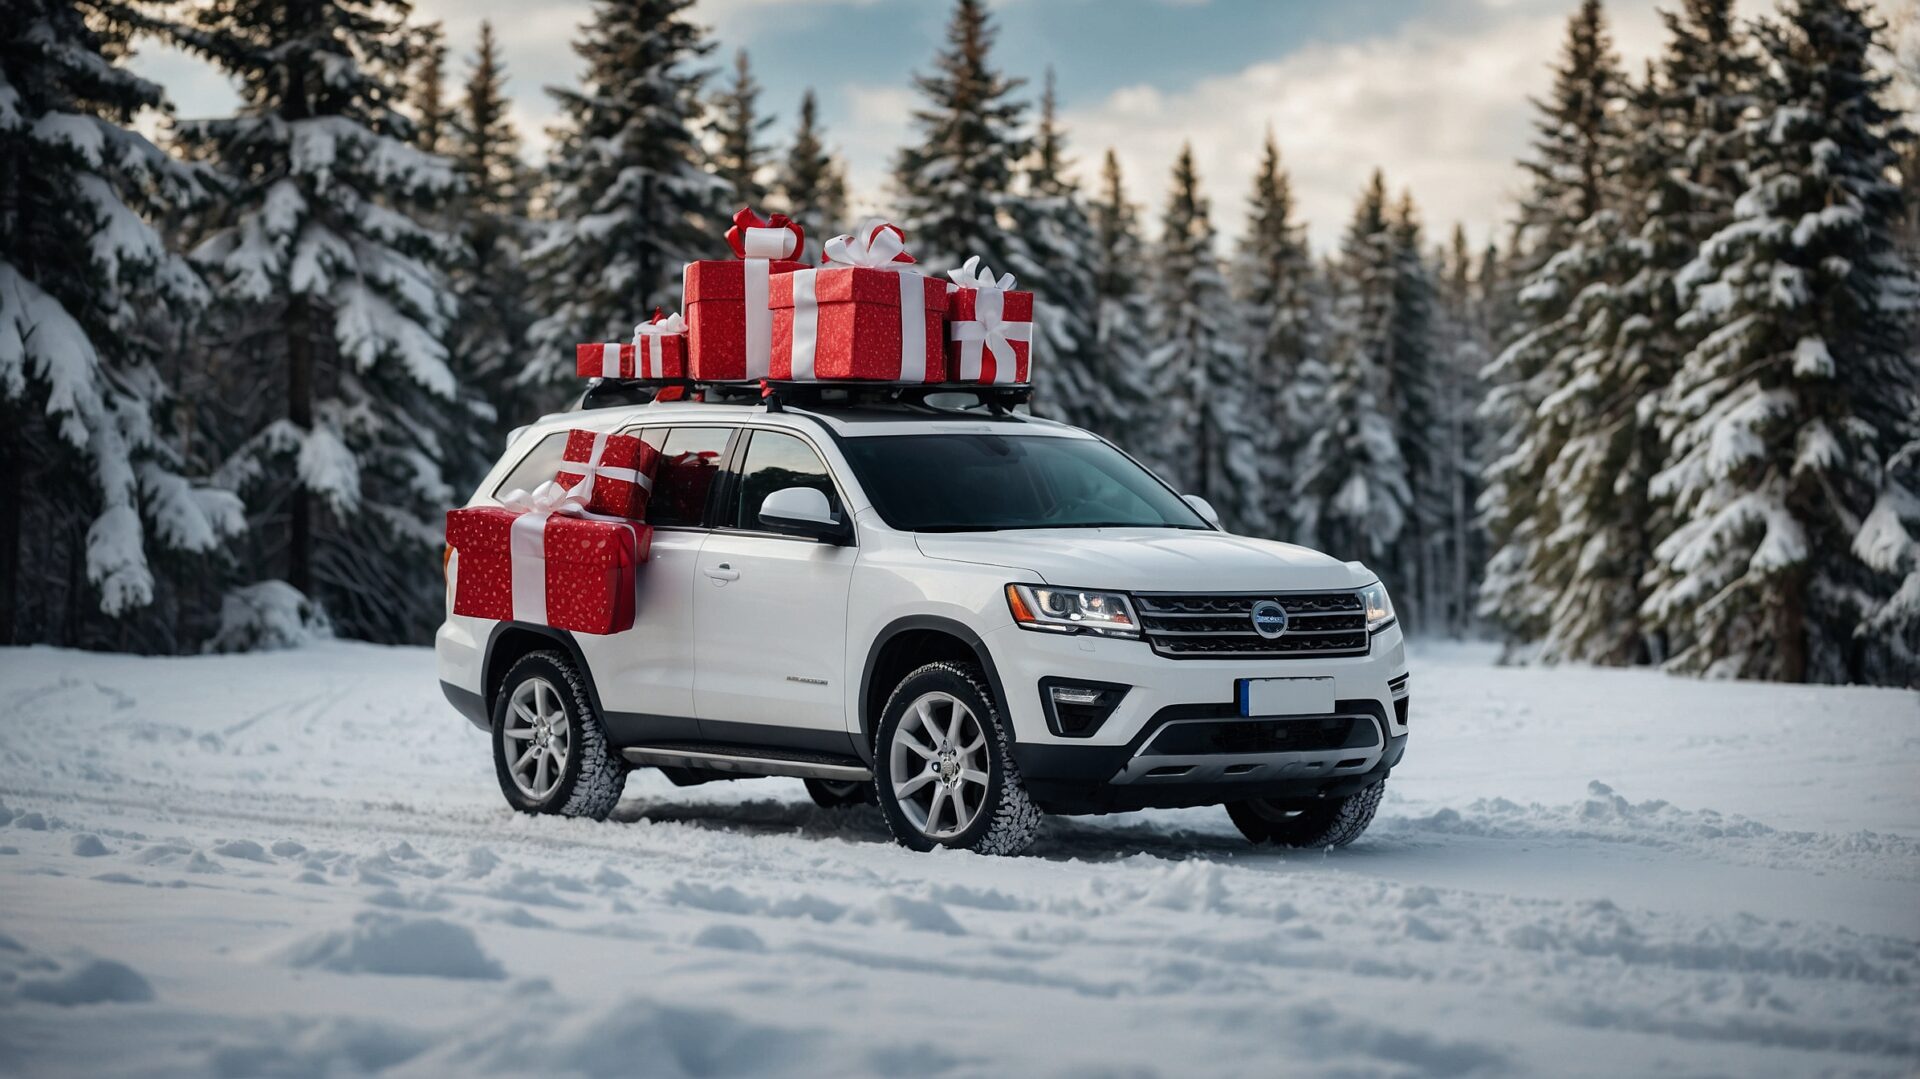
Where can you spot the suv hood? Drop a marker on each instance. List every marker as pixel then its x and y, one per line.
pixel 1148 559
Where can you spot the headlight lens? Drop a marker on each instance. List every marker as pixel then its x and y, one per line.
pixel 1072 610
pixel 1379 607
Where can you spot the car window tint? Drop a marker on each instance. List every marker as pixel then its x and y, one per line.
pixel 774 462
pixel 539 465
pixel 690 458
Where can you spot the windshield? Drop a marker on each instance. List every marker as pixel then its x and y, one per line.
pixel 984 482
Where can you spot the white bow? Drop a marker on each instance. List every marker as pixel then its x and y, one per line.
pixel 874 247
pixel 548 499
pixel 666 327
pixel 973 275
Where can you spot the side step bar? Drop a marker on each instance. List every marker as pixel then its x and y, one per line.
pixel 750 761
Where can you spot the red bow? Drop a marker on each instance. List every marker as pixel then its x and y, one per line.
pixel 747 220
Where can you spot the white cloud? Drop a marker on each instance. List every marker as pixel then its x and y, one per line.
pixel 1443 110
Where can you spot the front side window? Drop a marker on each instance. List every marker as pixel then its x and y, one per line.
pixel 986 482
pixel 774 462
pixel 690 460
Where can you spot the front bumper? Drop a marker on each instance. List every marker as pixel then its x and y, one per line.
pixel 1177 737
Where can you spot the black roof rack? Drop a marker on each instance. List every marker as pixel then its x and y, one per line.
pixel 816 396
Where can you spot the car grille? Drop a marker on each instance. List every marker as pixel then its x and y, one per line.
pixel 1220 626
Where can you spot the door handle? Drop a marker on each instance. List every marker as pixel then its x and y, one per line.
pixel 723 572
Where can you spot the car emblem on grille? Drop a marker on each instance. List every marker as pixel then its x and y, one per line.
pixel 1269 619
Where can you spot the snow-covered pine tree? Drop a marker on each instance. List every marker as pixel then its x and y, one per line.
pixel 739 156
pixel 1276 286
pixel 1412 386
pixel 331 280
pixel 1783 420
pixel 630 202
pixel 952 186
pixel 1054 261
pixel 1574 155
pixel 490 340
pixel 1351 495
pixel 1118 258
pixel 1200 375
pixel 813 187
pixel 429 90
pixel 94 485
pixel 1462 350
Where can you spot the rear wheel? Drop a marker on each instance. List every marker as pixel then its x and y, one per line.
pixel 830 794
pixel 943 768
pixel 549 750
pixel 1320 822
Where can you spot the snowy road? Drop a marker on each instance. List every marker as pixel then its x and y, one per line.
pixel 298 864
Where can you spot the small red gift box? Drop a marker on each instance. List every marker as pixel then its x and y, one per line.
pixel 863 315
pixel 729 326
pixel 613 474
pixel 989 327
pixel 546 568
pixel 659 350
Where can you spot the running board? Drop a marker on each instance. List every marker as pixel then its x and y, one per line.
pixel 754 762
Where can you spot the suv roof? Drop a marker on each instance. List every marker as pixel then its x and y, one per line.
pixel 861 414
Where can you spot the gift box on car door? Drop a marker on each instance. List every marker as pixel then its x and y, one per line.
pixel 613 474
pixel 537 560
pixel 729 326
pixel 659 350
pixel 989 328
pixel 865 314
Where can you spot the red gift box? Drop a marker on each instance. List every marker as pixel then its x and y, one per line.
pixel 863 315
pixel 729 326
pixel 544 567
pixel 615 473
pixel 609 360
pixel 989 327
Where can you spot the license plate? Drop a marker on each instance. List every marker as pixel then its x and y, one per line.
pixel 1285 696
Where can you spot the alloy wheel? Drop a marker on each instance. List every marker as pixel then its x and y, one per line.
pixel 538 738
pixel 938 765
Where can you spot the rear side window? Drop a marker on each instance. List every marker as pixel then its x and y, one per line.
pixel 690 459
pixel 776 461
pixel 537 467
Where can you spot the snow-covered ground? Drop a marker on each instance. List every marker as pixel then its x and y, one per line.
pixel 298 864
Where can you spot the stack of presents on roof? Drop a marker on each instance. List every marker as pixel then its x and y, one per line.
pixel 565 554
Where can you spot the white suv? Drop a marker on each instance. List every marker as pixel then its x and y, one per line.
pixel 969 617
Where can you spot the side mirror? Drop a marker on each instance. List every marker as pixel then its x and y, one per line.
pixel 802 511
pixel 1204 508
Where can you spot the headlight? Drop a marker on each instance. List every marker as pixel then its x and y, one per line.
pixel 1379 607
pixel 1072 610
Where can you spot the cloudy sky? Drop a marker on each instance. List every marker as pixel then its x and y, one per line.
pixel 1433 91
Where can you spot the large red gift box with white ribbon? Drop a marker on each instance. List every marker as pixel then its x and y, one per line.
pixel 989 328
pixel 614 473
pixel 552 569
pixel 729 324
pixel 865 314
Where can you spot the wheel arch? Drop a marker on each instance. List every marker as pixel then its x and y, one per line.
pixel 511 641
pixel 906 644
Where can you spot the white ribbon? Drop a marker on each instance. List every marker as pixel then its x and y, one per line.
pixel 593 468
pixel 990 334
pixel 610 360
pixel 778 243
pixel 873 248
pixel 527 543
pixel 649 346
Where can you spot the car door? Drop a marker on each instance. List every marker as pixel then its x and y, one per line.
pixel 645 675
pixel 770 613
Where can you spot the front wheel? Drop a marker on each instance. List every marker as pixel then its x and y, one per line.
pixel 943 768
pixel 549 749
pixel 1319 823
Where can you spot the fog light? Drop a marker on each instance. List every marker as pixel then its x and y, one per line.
pixel 1077 709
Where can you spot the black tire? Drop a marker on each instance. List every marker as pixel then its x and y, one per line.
pixel 1320 823
pixel 1007 820
pixel 593 779
pixel 829 794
